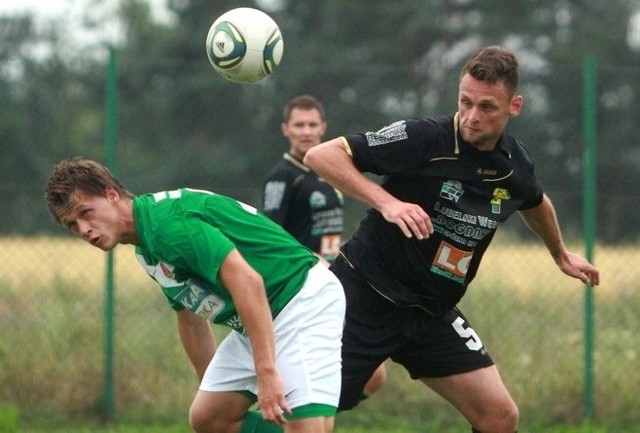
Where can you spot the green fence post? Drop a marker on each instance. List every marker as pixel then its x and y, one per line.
pixel 111 134
pixel 589 206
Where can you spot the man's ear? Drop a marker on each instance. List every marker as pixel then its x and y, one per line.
pixel 284 128
pixel 516 105
pixel 112 194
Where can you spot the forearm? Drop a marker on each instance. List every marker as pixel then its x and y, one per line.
pixel 197 340
pixel 332 162
pixel 255 314
pixel 250 299
pixel 542 221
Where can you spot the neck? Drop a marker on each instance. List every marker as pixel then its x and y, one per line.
pixel 128 233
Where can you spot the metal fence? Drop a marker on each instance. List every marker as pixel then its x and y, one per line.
pixel 529 315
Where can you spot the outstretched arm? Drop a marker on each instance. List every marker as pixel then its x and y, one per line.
pixel 542 221
pixel 332 161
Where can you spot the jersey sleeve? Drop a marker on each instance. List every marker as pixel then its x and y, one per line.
pixel 277 196
pixel 533 186
pixel 395 149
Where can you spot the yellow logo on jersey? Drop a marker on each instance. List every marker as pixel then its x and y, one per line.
pixel 499 194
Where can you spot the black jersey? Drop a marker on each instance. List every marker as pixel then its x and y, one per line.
pixel 305 205
pixel 466 192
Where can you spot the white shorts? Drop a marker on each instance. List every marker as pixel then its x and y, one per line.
pixel 308 334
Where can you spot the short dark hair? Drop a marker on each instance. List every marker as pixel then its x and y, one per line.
pixel 304 102
pixel 78 175
pixel 493 64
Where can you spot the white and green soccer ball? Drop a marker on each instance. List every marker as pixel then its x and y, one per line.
pixel 244 45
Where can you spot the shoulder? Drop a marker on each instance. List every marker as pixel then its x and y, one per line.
pixel 517 149
pixel 286 169
pixel 416 129
pixel 432 125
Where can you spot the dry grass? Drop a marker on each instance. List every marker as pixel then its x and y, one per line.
pixel 518 267
pixel 529 315
pixel 49 262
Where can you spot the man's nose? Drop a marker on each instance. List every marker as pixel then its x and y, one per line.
pixel 473 114
pixel 83 228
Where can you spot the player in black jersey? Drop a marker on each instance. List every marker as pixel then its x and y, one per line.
pixel 294 196
pixel 300 201
pixel 448 182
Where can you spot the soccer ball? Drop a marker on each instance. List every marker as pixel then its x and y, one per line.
pixel 244 45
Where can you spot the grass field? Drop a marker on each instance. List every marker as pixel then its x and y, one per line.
pixel 422 429
pixel 529 315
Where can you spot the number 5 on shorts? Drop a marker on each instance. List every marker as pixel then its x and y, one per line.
pixel 473 341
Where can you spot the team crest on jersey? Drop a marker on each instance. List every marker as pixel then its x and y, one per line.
pixel 236 324
pixel 317 200
pixel 499 194
pixel 166 269
pixel 451 190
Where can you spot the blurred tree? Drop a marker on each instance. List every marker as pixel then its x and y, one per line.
pixel 371 63
pixel 47 112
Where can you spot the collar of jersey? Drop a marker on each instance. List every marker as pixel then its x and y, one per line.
pixel 502 143
pixel 291 160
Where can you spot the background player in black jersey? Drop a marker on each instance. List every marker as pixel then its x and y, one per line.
pixel 449 181
pixel 300 201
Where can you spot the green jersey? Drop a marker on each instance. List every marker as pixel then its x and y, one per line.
pixel 185 235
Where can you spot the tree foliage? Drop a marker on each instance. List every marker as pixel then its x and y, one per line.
pixel 370 63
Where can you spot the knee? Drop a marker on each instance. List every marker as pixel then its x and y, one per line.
pixel 202 421
pixel 378 378
pixel 510 418
pixel 502 419
pixel 199 422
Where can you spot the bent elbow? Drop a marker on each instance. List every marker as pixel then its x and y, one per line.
pixel 310 157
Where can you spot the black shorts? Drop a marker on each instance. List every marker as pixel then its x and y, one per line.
pixel 377 329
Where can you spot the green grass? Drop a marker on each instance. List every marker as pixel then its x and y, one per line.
pixel 425 428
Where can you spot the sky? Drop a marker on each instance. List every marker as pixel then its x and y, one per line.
pixel 45 7
pixel 48 8
pixel 70 9
pixel 56 8
pixel 71 12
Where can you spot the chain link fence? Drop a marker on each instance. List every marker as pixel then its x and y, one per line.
pixel 528 314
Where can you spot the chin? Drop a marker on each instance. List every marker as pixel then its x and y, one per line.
pixel 104 247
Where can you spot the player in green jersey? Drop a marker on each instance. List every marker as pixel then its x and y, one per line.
pixel 220 261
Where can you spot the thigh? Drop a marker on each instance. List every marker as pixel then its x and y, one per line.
pixel 447 346
pixel 223 411
pixel 477 394
pixel 310 425
pixel 307 333
pixel 232 367
pixel 370 335
pixel 308 342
